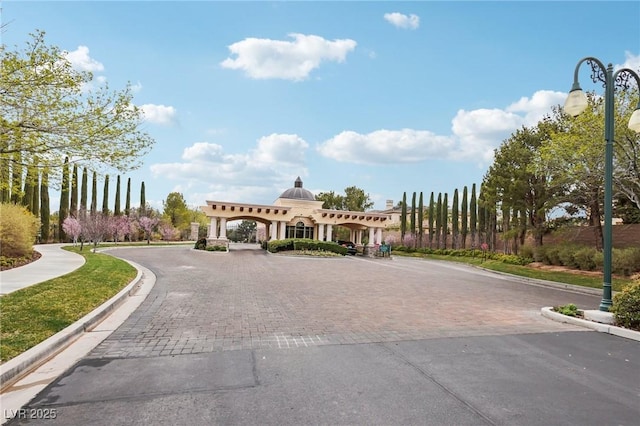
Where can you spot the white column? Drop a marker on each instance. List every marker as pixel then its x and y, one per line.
pixel 213 229
pixel 371 235
pixel 321 231
pixel 359 237
pixel 223 228
pixel 283 230
pixel 329 232
pixel 274 230
pixel 379 236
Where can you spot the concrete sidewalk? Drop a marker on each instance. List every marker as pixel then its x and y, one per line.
pixel 54 263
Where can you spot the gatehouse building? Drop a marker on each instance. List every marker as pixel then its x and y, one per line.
pixel 295 214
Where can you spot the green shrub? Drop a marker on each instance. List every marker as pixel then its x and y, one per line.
pixel 566 254
pixel 305 244
pixel 18 230
pixel 569 310
pixel 201 244
pixel 625 261
pixel 540 254
pixel 626 307
pixel 552 256
pixel 275 246
pixel 216 248
pixel 527 251
pixel 585 258
pixel 510 259
pixel 598 259
pixel 315 245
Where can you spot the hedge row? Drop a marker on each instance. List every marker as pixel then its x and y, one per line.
pixel 623 262
pixel 505 258
pixel 276 246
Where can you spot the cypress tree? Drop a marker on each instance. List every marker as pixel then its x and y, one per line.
pixel 5 176
pixel 445 220
pixel 27 192
pixel 455 220
pixel 482 217
pixel 143 201
pixel 35 199
pixel 127 203
pixel 438 220
pixel 432 212
pixel 105 197
pixel 63 212
pixel 45 210
pixel 83 193
pixel 16 178
pixel 464 217
pixel 420 219
pixel 94 194
pixel 403 217
pixel 412 222
pixel 74 192
pixel 473 216
pixel 116 208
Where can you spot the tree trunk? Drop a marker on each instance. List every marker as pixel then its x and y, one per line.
pixel 597 224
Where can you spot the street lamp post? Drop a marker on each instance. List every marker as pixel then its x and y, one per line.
pixel 575 104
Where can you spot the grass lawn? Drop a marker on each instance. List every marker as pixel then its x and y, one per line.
pixel 31 315
pixel 529 272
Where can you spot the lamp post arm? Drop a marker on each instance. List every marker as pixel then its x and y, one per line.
pixel 624 81
pixel 594 77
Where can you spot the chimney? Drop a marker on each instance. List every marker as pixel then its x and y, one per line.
pixel 389 204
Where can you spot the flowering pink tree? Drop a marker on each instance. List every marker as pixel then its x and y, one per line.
pixel 168 231
pixel 409 240
pixel 148 224
pixel 119 227
pixel 95 227
pixel 72 228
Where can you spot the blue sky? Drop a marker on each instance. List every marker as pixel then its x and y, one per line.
pixel 243 97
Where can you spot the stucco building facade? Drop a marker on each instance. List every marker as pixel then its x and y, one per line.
pixel 295 214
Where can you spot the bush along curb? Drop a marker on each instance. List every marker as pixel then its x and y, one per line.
pixel 548 312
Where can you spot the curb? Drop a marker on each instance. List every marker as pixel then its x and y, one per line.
pixel 18 367
pixel 548 312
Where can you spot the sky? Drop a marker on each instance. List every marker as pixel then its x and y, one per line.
pixel 391 97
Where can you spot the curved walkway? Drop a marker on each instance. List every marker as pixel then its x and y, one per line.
pixel 54 263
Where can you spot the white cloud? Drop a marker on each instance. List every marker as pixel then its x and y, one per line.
pixel 159 114
pixel 275 162
pixel 278 148
pixel 288 60
pixel 81 61
pixel 474 136
pixel 536 107
pixel 631 61
pixel 479 131
pixel 386 146
pixel 136 88
pixel 401 20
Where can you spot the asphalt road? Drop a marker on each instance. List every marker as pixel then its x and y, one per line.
pixel 247 338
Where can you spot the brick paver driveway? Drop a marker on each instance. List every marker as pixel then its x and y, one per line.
pixel 248 299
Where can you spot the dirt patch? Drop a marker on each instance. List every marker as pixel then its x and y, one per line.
pixel 555 268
